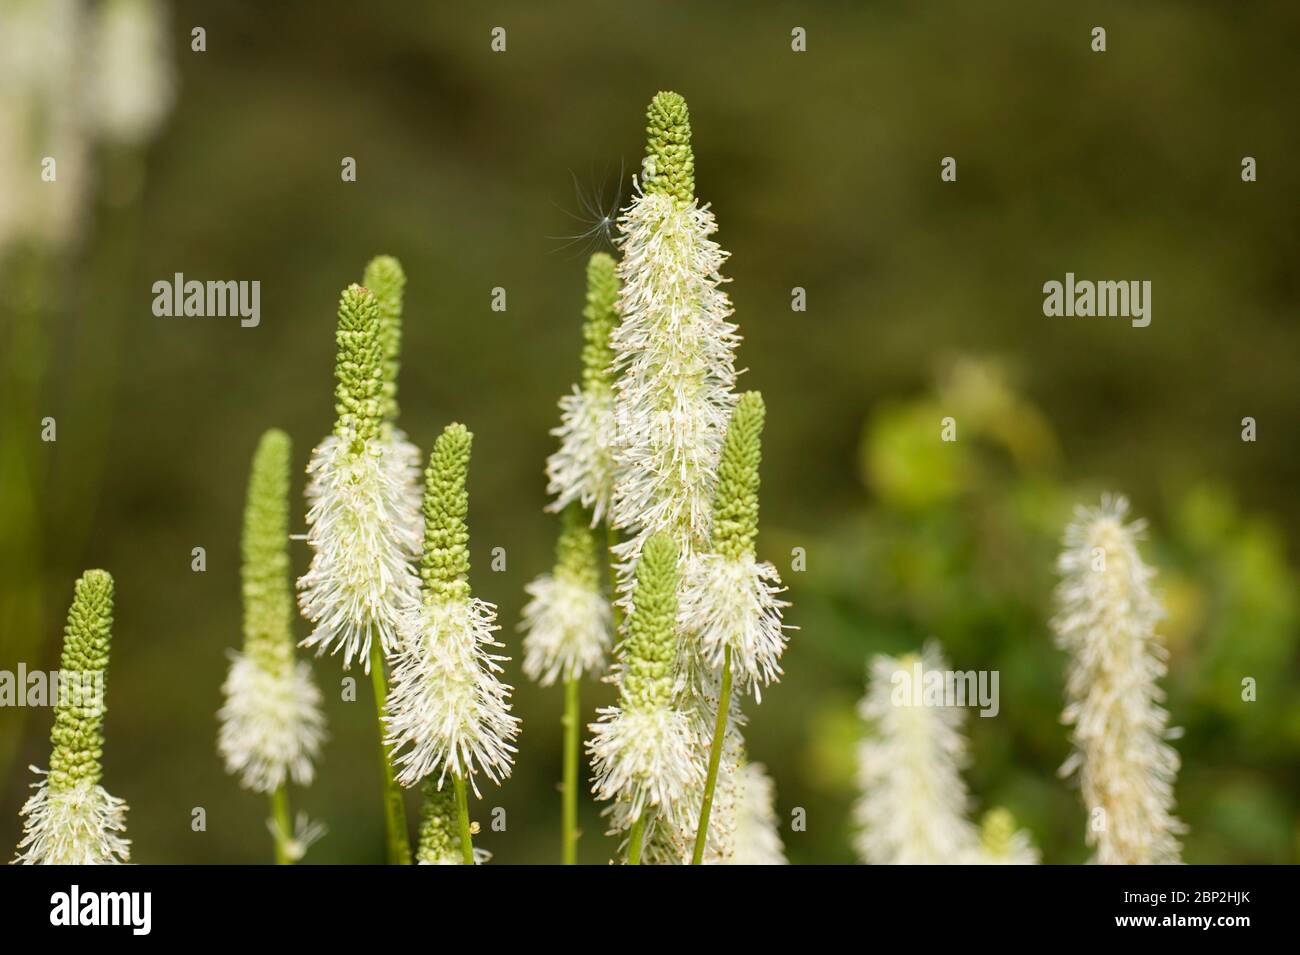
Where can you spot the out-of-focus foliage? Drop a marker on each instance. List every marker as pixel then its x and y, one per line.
pixel 958 542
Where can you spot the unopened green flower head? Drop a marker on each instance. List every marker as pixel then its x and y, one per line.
pixel 668 147
pixel 996 831
pixel 77 739
pixel 268 601
pixel 444 566
pixel 576 558
pixel 359 367
pixel 651 645
pixel 439 836
pixel 735 501
pixel 387 282
pixel 600 315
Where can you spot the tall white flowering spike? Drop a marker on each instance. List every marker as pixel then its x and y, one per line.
pixel 567 621
pixel 758 841
pixel 913 805
pixel 360 580
pixel 641 748
pixel 271 724
pixel 582 469
pixel 729 599
pixel 71 819
pixel 448 711
pixel 1001 843
pixel 132 87
pixel 1107 623
pixel 674 348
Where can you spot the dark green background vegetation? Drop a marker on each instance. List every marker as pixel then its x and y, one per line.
pixel 924 301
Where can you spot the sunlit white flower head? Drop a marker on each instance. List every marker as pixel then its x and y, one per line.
pixel 913 805
pixel 71 819
pixel 362 514
pixel 1106 622
pixel 567 621
pixel 582 469
pixel 641 749
pixel 1001 843
pixel 271 724
pixel 758 840
pixel 730 601
pixel 674 349
pixel 132 87
pixel 448 711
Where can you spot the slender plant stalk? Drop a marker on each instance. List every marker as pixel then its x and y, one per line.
pixel 462 814
pixel 399 844
pixel 715 756
pixel 636 837
pixel 569 824
pixel 283 825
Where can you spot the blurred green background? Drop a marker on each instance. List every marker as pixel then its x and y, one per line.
pixel 924 301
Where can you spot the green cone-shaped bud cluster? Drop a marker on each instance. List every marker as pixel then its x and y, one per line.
pixel 735 500
pixel 387 283
pixel 359 366
pixel 668 144
pixel 439 840
pixel 444 567
pixel 77 740
pixel 268 599
pixel 576 555
pixel 996 832
pixel 600 316
pixel 650 648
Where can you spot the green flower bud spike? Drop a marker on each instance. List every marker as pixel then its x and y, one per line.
pixel 600 315
pixel 359 367
pixel 268 600
pixel 668 147
pixel 444 566
pixel 650 649
pixel 439 842
pixel 735 500
pixel 387 282
pixel 77 739
pixel 71 819
pixel 576 558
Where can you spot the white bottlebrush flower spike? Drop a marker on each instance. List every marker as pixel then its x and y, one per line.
pixel 567 619
pixel 674 349
pixel 132 87
pixel 582 469
pixel 271 722
pixel 912 810
pixel 1107 623
pixel 362 515
pixel 641 749
pixel 758 840
pixel 71 819
pixel 448 710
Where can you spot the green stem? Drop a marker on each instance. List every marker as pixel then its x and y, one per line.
pixel 635 838
pixel 715 756
pixel 399 844
pixel 462 814
pixel 283 826
pixel 569 820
